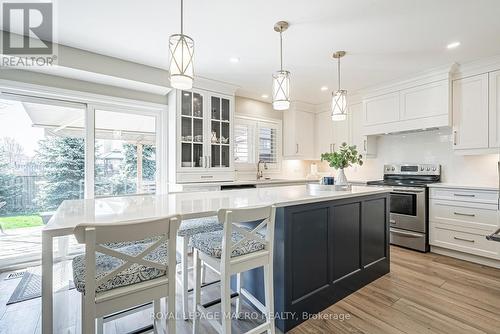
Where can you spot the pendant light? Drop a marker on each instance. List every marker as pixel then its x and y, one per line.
pixel 339 100
pixel 281 79
pixel 181 58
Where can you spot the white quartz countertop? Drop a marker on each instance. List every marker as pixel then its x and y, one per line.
pixel 190 205
pixel 462 186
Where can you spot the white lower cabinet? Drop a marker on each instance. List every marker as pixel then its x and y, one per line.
pixel 460 219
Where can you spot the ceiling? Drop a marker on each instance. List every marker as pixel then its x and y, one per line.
pixel 384 39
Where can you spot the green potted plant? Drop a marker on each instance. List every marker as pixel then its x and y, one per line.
pixel 346 156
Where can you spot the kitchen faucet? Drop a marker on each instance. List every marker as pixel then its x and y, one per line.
pixel 260 172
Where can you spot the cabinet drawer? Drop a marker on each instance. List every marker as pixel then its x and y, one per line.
pixel 472 243
pixel 208 176
pixel 464 195
pixel 464 214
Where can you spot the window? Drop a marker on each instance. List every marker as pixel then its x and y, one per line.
pixel 256 140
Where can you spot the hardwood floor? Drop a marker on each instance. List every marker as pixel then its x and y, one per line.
pixel 424 293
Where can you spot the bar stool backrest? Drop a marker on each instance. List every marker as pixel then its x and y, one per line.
pixel 243 221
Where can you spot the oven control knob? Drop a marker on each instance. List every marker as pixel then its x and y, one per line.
pixel 428 169
pixel 387 169
pixel 433 169
pixel 393 169
pixel 422 169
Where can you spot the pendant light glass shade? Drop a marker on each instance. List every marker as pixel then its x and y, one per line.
pixel 281 90
pixel 339 105
pixel 181 61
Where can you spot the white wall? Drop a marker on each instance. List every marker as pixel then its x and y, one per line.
pixel 428 147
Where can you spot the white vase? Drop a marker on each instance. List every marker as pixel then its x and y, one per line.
pixel 341 179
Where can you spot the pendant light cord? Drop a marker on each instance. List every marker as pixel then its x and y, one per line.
pixel 182 19
pixel 281 51
pixel 338 69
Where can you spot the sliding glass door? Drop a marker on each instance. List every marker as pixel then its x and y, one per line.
pixel 125 153
pixel 52 150
pixel 42 163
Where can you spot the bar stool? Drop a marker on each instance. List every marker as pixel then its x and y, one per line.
pixel 234 250
pixel 189 228
pixel 125 265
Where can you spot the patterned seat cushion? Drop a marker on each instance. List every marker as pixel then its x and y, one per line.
pixel 190 227
pixel 211 244
pixel 135 274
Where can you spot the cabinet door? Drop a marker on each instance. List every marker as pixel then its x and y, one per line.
pixel 304 132
pixel 494 109
pixel 323 134
pixel 220 153
pixel 470 112
pixel 192 134
pixel 298 134
pixel 340 133
pixel 425 101
pixel 381 109
pixel 366 145
pixel 290 148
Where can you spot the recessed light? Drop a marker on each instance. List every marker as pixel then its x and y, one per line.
pixel 324 88
pixel 234 60
pixel 264 96
pixel 453 45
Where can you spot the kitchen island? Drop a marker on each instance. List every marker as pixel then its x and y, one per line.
pixel 328 244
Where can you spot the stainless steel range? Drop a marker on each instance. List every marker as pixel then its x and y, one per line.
pixel 409 202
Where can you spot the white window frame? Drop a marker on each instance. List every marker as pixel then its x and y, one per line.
pixel 256 123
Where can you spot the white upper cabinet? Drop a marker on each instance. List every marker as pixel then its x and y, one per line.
pixel 470 113
pixel 200 136
pixel 323 132
pixel 430 100
pixel 298 134
pixel 494 109
pixel 381 109
pixel 366 145
pixel 329 135
pixel 419 103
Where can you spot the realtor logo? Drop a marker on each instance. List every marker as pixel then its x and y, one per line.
pixel 28 33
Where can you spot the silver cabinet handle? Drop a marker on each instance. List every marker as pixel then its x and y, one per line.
pixel 455 137
pixel 333 145
pixel 331 148
pixel 462 239
pixel 364 145
pixel 296 148
pixel 464 195
pixel 206 176
pixel 209 161
pixel 392 221
pixel 464 214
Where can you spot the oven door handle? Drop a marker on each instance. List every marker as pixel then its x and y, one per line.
pixel 406 234
pixel 399 190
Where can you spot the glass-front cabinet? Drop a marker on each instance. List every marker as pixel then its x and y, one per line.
pixel 204 136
